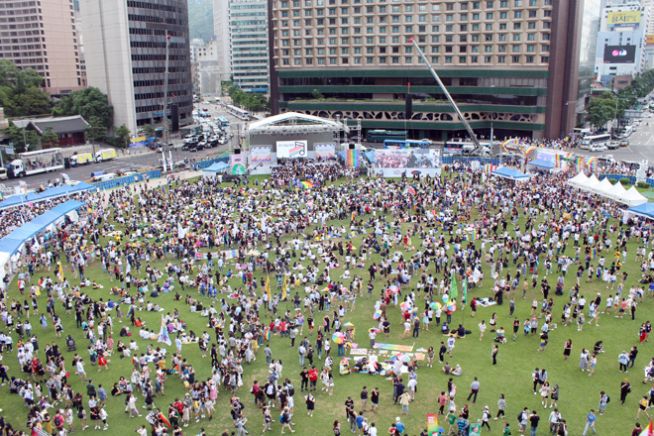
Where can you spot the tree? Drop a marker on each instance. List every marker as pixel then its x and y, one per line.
pixel 149 130
pixel 602 109
pixel 91 104
pixel 49 138
pixel 20 92
pixel 121 137
pixel 22 139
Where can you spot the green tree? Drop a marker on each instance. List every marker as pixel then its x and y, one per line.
pixel 91 104
pixel 602 109
pixel 121 136
pixel 49 138
pixel 22 139
pixel 20 92
pixel 149 130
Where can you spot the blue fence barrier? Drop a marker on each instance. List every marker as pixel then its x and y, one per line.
pixel 128 180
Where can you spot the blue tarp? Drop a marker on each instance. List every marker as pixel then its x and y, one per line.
pixel 645 209
pixel 540 163
pixel 217 167
pixel 510 173
pixel 48 194
pixel 13 241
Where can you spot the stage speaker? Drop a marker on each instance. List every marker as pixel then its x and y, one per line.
pixel 351 146
pixel 237 151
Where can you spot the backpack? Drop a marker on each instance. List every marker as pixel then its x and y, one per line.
pixel 608 399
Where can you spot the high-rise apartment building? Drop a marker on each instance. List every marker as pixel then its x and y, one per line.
pixel 620 53
pixel 41 34
pixel 248 31
pixel 510 64
pixel 125 49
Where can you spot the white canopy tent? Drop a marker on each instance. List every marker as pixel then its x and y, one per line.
pixel 605 188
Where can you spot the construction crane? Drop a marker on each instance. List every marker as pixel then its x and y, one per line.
pixel 471 133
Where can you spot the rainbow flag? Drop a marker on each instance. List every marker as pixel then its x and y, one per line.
pixel 393 347
pixel 432 424
pixel 351 158
pixel 307 184
pixel 649 430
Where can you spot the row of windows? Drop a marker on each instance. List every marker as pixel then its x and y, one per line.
pixel 152 44
pixel 409 29
pixel 409 17
pixel 151 95
pixel 154 19
pixel 155 70
pixel 462 5
pixel 152 5
pixel 502 48
pixel 158 57
pixel 160 82
pixel 408 60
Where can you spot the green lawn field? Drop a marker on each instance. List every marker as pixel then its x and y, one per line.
pixel 511 376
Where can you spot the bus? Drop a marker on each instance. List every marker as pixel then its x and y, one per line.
pixel 595 140
pixel 407 143
pixel 382 135
pixel 239 113
pixel 222 122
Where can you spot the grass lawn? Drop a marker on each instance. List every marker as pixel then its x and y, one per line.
pixel 512 376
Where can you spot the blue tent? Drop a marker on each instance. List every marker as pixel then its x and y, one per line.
pixel 645 209
pixel 511 173
pixel 48 194
pixel 543 164
pixel 12 242
pixel 217 167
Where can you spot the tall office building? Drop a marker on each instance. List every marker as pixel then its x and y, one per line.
pixel 620 53
pixel 510 64
pixel 590 23
pixel 206 67
pixel 248 31
pixel 41 34
pixel 221 35
pixel 125 54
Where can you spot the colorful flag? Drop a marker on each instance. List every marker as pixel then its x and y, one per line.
pixel 454 288
pixel 432 424
pixel 284 288
pixel 267 288
pixel 60 272
pixel 351 158
pixel 649 430
pixel 164 337
pixel 307 184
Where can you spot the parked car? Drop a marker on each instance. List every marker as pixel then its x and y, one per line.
pixel 598 147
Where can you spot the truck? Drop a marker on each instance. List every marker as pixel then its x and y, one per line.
pixel 105 154
pixel 80 159
pixel 36 162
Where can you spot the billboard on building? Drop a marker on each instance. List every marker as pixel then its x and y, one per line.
pixel 619 54
pixel 393 163
pixel 260 160
pixel 291 149
pixel 623 17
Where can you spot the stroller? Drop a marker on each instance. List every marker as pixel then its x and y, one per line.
pixel 70 343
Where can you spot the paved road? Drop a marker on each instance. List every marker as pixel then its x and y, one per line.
pixel 138 162
pixel 142 161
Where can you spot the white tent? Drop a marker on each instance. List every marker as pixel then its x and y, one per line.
pixel 617 192
pixel 579 181
pixel 593 183
pixel 604 187
pixel 634 198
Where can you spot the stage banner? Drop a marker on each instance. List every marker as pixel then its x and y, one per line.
pixel 394 163
pixel 325 151
pixel 260 159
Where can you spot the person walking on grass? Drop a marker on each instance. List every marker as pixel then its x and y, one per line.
pixel 474 390
pixel 642 407
pixel 591 418
pixel 625 389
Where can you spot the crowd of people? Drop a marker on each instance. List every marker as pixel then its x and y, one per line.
pixel 238 257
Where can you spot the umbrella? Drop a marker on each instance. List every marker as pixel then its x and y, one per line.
pixel 338 338
pixel 348 325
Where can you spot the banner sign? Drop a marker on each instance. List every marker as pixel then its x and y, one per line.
pixel 394 163
pixel 291 149
pixel 260 159
pixel 623 17
pixel 325 151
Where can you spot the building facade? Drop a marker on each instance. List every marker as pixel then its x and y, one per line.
pixel 248 30
pixel 206 67
pixel 507 63
pixel 125 45
pixel 590 24
pixel 620 53
pixel 42 35
pixel 221 35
